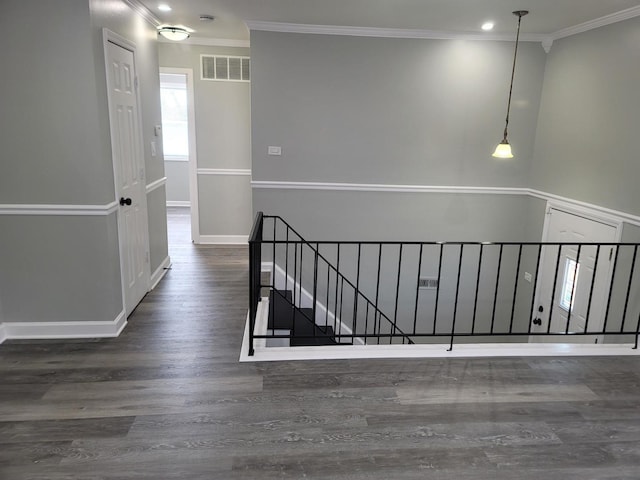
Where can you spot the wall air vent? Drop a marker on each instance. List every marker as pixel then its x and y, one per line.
pixel 428 283
pixel 223 68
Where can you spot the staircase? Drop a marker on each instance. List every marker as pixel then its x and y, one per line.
pixel 297 323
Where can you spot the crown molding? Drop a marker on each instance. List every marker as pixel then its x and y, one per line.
pixel 210 42
pixel 385 32
pixel 597 23
pixel 144 12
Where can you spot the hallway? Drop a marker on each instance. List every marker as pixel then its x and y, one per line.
pixel 169 400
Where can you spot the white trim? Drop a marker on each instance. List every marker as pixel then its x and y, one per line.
pixel 51 330
pixel 385 32
pixel 193 157
pixel 602 211
pixel 178 203
pixel 210 42
pixel 176 158
pixel 365 187
pixel 362 187
pixel 47 209
pixel 274 354
pixel 224 171
pixel 3 333
pixel 156 184
pixel 597 23
pixel 160 272
pixel 224 239
pixel 144 12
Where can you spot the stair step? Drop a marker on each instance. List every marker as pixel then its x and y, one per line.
pixel 280 310
pixel 305 327
pixel 282 316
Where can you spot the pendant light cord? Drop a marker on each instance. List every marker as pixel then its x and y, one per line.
pixel 513 72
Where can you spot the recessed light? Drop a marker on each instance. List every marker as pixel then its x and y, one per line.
pixel 163 7
pixel 487 26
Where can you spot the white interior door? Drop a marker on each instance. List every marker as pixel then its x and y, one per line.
pixel 129 173
pixel 573 281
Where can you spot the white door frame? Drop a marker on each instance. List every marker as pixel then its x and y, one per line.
pixel 581 211
pixel 193 158
pixel 111 37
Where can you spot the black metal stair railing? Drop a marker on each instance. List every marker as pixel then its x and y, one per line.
pixel 405 292
pixel 338 313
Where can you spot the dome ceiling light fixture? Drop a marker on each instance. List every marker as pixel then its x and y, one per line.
pixel 503 150
pixel 176 34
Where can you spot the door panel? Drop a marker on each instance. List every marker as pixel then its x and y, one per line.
pixel 574 281
pixel 129 174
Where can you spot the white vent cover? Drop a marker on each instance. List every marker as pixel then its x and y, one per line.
pixel 223 68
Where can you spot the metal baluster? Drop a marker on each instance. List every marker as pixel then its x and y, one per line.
pixel 415 313
pixel 573 287
pixel 326 303
pixel 495 294
pixel 315 287
pixel 337 325
pixel 435 312
pixel 395 314
pixel 535 286
pixel 626 302
pixel 553 292
pixel 475 301
pixel 356 293
pixel 455 303
pixel 593 281
pixel 515 290
pixel 377 319
pixel 293 295
pixel 613 278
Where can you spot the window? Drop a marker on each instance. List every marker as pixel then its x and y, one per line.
pixel 175 130
pixel 569 284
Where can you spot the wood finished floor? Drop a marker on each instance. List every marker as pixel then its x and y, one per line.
pixel 169 400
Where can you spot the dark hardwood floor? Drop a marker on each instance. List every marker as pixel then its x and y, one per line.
pixel 169 400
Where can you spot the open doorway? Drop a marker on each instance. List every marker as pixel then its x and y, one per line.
pixel 178 127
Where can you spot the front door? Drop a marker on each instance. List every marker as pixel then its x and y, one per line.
pixel 574 281
pixel 129 172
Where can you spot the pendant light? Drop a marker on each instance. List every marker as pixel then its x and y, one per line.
pixel 503 150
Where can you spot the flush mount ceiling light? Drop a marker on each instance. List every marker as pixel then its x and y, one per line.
pixel 503 150
pixel 174 33
pixel 487 26
pixel 163 7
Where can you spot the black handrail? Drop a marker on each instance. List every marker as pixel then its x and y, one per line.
pixel 489 301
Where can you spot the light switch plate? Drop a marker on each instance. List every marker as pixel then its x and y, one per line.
pixel 274 150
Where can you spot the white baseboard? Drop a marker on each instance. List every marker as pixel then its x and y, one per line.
pixel 178 203
pixel 224 239
pixel 160 272
pixel 55 330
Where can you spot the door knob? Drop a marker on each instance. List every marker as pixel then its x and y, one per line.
pixel 537 321
pixel 125 201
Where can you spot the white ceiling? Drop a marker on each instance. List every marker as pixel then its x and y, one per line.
pixel 453 16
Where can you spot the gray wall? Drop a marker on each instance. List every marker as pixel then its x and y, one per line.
pixel 222 111
pixel 56 150
pixel 177 173
pixel 587 143
pixel 393 111
pixel 379 110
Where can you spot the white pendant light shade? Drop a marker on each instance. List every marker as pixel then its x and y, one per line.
pixel 174 33
pixel 503 150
